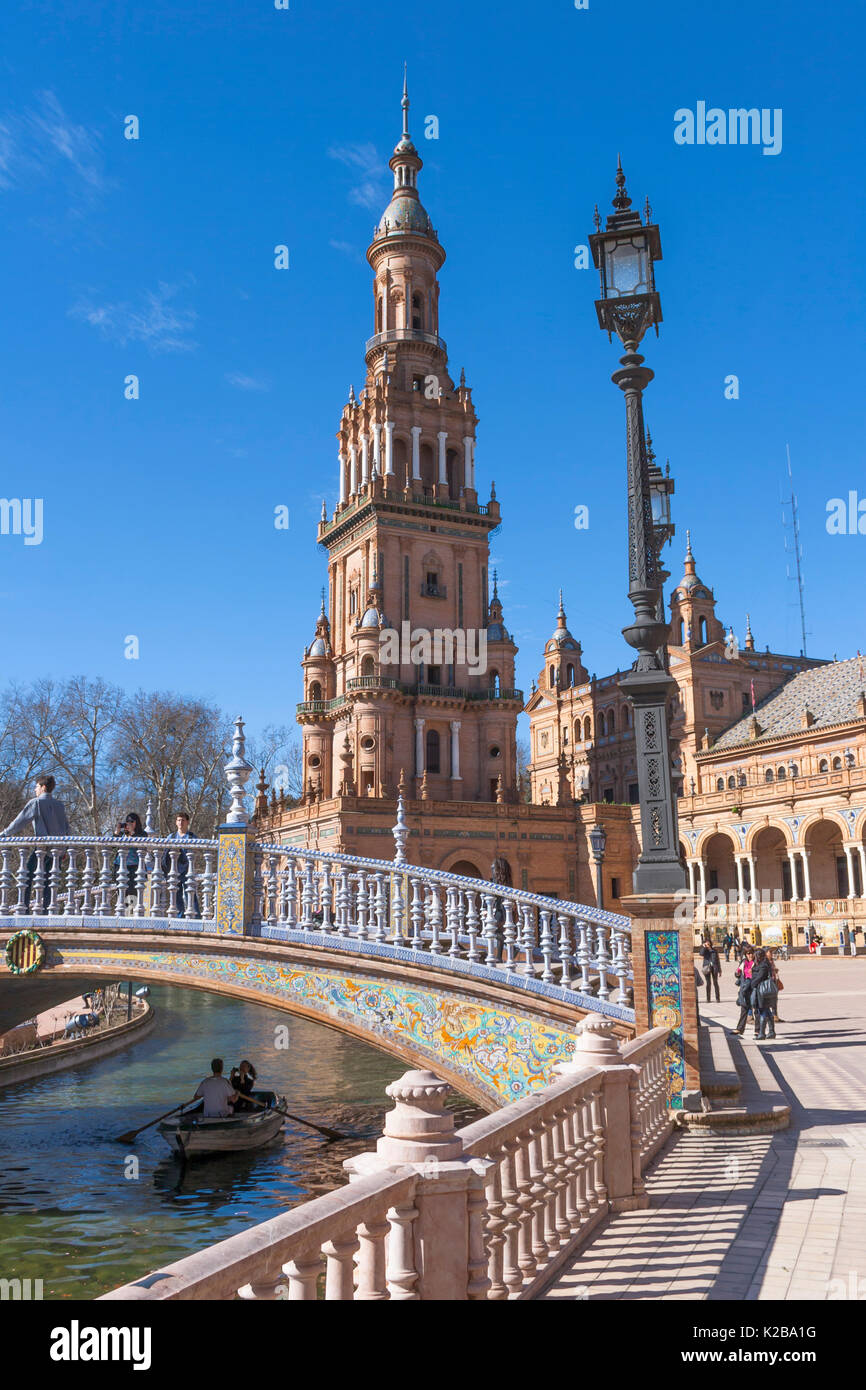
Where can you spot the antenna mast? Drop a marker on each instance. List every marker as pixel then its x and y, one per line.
pixel 798 552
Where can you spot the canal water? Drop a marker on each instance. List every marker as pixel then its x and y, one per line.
pixel 84 1214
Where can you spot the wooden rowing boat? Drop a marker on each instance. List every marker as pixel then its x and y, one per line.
pixel 192 1135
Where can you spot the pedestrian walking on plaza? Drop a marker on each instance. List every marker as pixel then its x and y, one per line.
pixel 711 967
pixel 728 944
pixel 771 957
pixel 43 815
pixel 764 997
pixel 744 993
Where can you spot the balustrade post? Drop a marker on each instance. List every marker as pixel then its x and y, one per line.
pixel 664 992
pixel 443 1237
pixel 235 905
pixel 612 1172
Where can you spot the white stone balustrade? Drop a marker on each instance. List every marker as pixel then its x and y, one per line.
pixel 107 876
pixel 488 1213
pixel 443 915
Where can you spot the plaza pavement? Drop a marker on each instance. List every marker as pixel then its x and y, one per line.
pixel 776 1216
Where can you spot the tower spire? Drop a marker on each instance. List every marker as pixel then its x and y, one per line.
pixel 405 102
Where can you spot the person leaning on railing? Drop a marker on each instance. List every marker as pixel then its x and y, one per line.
pixel 134 830
pixel 44 814
pixel 181 820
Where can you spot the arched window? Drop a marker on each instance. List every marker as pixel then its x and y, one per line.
pixel 417 311
pixel 781 774
pixel 315 690
pixel 702 629
pixel 601 726
pixel 794 770
pixel 432 751
pixel 379 311
pixel 678 633
pixel 742 780
pixel 569 675
pixel 577 731
pixel 551 678
pixel 732 782
pixel 626 717
pixel 823 765
pixel 587 729
pixel 837 764
pixel 611 721
pixel 495 682
pixel 368 666
pixel 768 775
pixel 565 734
pixel 720 784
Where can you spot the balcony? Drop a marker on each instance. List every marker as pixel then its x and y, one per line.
pixel 405 335
pixel 434 591
pixel 373 683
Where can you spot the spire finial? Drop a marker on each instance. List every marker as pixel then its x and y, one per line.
pixel 324 511
pixel 323 602
pixel 650 452
pixel 405 102
pixel 561 614
pixel 621 199
pixel 495 586
pixel 689 555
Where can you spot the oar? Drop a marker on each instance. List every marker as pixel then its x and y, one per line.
pixel 131 1134
pixel 331 1134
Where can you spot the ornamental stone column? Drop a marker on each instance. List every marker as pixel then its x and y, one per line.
pixel 419 747
pixel 849 860
pixel 389 448
pixel 353 469
pixel 455 751
pixel 416 453
pixel 861 850
pixel 807 880
pixel 741 882
pixel 377 460
pixel 443 466
pixel 365 459
pixel 702 870
pixel 468 463
pixel 342 463
pixel 795 889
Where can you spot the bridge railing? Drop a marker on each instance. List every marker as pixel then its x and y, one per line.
pixel 582 949
pixel 108 876
pixel 491 1212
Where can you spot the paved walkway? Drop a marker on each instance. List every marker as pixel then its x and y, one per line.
pixel 770 1216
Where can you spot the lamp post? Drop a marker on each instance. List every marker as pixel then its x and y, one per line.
pixel 597 842
pixel 624 253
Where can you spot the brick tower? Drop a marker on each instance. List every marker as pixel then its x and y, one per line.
pixel 408 558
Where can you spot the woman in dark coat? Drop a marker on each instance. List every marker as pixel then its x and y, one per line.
pixel 711 967
pixel 763 997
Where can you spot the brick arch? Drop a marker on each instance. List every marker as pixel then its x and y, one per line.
pixel 832 816
pixel 859 830
pixel 706 835
pixel 755 830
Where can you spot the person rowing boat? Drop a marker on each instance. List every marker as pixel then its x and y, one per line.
pixel 217 1094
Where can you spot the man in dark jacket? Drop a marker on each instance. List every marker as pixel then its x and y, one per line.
pixel 43 815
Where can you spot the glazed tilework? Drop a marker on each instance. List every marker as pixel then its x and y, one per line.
pixel 666 1006
pixel 504 1055
pixel 233 872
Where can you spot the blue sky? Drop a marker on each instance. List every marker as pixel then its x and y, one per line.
pixel 259 127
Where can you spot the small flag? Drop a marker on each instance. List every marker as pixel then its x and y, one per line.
pixel 752 684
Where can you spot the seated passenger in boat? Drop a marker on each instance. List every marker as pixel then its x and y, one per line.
pixel 243 1078
pixel 217 1093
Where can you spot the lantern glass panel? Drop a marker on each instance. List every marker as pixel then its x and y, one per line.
pixel 627 268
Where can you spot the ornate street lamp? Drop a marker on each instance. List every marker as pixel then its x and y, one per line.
pixel 597 842
pixel 625 253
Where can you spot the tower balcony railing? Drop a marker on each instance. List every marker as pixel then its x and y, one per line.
pixel 445 692
pixel 320 706
pixel 434 591
pixel 373 683
pixel 405 335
